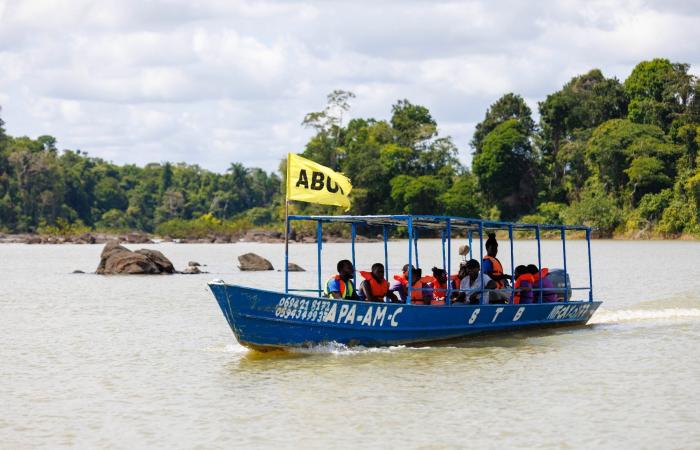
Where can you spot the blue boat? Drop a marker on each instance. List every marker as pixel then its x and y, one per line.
pixel 265 320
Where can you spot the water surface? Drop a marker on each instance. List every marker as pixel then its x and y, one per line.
pixel 130 362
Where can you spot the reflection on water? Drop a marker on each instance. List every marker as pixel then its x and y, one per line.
pixel 123 362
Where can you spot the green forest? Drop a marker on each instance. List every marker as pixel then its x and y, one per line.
pixel 620 156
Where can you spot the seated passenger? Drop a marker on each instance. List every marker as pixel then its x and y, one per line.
pixel 524 283
pixel 549 295
pixel 340 285
pixel 400 286
pixel 439 284
pixel 474 283
pixel 492 266
pixel 374 287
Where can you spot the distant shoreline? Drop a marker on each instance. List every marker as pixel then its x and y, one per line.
pixel 265 237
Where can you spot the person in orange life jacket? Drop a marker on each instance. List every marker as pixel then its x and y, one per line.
pixel 374 287
pixel 439 285
pixel 473 283
pixel 491 265
pixel 548 295
pixel 400 285
pixel 340 285
pixel 524 283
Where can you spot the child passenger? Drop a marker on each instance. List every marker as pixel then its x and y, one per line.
pixel 375 287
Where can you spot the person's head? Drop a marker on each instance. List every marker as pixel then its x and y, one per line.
pixel 345 269
pixel 440 274
pixel 521 270
pixel 532 269
pixel 491 245
pixel 404 270
pixel 378 271
pixel 473 267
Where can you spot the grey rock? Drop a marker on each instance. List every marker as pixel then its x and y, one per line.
pixel 292 267
pixel 251 261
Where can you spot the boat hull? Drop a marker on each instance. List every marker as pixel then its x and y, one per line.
pixel 263 319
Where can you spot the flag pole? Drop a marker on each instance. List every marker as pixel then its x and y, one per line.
pixel 286 232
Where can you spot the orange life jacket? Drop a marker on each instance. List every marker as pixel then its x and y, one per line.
pixel 524 277
pixel 440 290
pixel 417 291
pixel 497 270
pixel 542 273
pixel 379 289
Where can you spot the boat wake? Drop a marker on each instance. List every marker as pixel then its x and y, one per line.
pixel 665 315
pixel 334 348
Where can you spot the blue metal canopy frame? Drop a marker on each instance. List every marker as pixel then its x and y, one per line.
pixel 446 225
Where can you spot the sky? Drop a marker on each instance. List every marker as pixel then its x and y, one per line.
pixel 212 82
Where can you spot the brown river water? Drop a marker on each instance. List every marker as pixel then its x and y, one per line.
pixel 90 361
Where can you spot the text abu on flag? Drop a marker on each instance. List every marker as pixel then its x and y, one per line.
pixel 311 182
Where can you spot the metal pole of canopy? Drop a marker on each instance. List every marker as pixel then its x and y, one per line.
pixel 352 245
pixel 286 246
pixel 448 294
pixel 415 243
pixel 512 261
pixel 563 247
pixel 442 237
pixel 470 244
pixel 386 252
pixel 410 261
pixel 539 260
pixel 319 244
pixel 481 260
pixel 590 266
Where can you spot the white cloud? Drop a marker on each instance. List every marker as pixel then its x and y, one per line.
pixel 217 81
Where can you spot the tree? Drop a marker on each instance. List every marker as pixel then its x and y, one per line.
pixel 661 92
pixel 510 106
pixel 412 124
pixel 504 169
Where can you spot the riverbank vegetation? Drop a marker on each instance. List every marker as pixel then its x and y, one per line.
pixel 621 156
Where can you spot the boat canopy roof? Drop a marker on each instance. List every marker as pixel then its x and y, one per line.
pixel 436 222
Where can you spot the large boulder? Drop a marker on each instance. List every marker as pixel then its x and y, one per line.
pixel 292 267
pixel 116 259
pixel 162 263
pixel 251 261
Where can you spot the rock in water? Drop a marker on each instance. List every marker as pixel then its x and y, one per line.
pixel 116 259
pixel 191 270
pixel 164 265
pixel 193 264
pixel 251 261
pixel 291 267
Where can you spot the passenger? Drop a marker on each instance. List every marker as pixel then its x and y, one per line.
pixel 523 286
pixel 340 285
pixel 400 286
pixel 549 295
pixel 474 282
pixel 374 287
pixel 492 266
pixel 439 285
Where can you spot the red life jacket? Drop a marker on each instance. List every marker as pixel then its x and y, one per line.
pixel 542 273
pixel 497 270
pixel 440 290
pixel 524 277
pixel 379 289
pixel 417 291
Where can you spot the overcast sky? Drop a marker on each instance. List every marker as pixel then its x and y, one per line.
pixel 216 81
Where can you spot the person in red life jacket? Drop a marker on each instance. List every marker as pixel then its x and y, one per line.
pixel 400 286
pixel 524 283
pixel 340 285
pixel 491 265
pixel 494 269
pixel 439 284
pixel 374 287
pixel 549 295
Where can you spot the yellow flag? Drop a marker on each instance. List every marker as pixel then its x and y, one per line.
pixel 311 182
